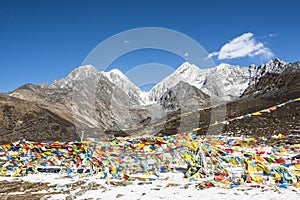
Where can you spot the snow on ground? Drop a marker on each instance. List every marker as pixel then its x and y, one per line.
pixel 167 186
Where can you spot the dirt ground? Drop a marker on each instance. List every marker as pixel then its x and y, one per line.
pixel 7 190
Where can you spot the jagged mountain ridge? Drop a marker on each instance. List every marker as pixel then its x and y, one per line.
pixel 108 102
pixel 286 83
pixel 224 81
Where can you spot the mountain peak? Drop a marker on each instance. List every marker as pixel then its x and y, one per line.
pixel 186 66
pixel 124 83
pixel 115 71
pixel 115 75
pixel 85 68
pixel 223 65
pixel 78 74
pixel 82 71
pixel 276 65
pixel 276 61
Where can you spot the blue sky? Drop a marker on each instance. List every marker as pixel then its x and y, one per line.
pixel 41 41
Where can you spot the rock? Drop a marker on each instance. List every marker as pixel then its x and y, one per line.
pixel 120 183
pixel 70 197
pixel 119 195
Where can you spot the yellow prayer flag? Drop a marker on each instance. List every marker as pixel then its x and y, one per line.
pixel 297 166
pixel 216 123
pixel 298 99
pixel 257 179
pixel 256 113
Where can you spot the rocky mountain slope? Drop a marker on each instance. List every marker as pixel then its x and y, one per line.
pixel 271 89
pixel 278 85
pixel 97 104
pixel 21 118
pixel 90 100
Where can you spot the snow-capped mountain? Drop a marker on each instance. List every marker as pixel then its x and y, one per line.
pixel 114 91
pixel 225 82
pixel 95 101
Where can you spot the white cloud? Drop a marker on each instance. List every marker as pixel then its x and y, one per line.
pixel 186 54
pixel 126 41
pixel 242 46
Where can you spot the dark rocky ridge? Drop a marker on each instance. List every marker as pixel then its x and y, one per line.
pixel 21 118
